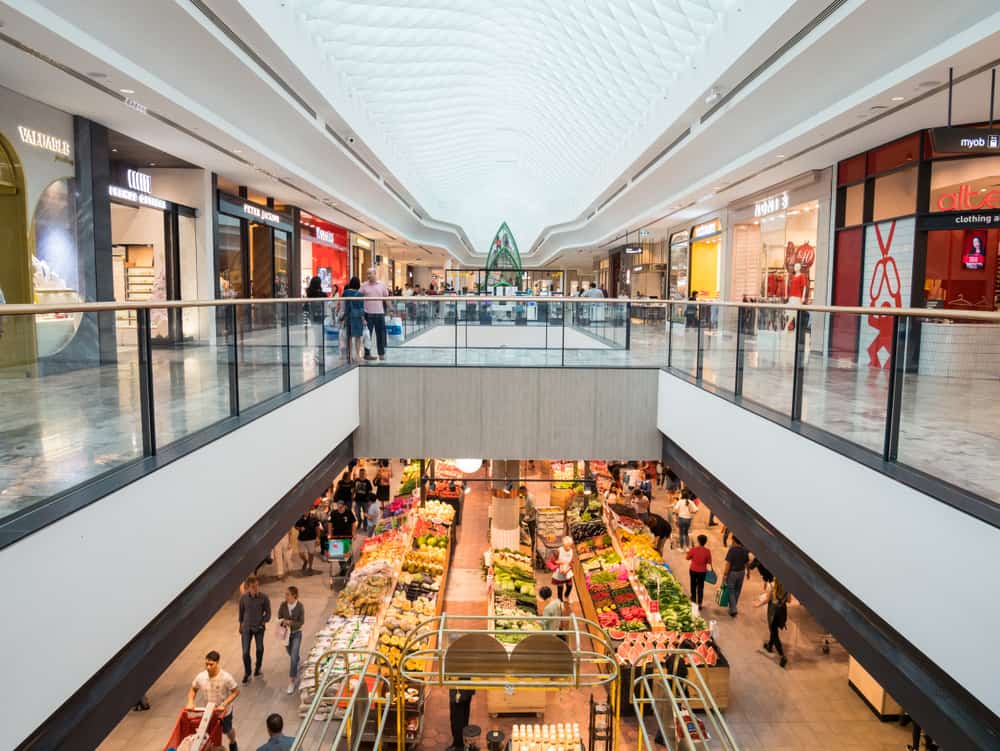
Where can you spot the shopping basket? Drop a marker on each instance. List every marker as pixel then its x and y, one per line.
pixel 188 723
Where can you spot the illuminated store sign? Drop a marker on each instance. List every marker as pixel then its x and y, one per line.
pixel 707 229
pixel 965 140
pixel 324 235
pixel 262 214
pixel 770 205
pixel 968 199
pixel 362 242
pixel 134 196
pixel 139 181
pixel 633 250
pixel 44 141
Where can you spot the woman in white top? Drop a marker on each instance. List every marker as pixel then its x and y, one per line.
pixel 562 577
pixel 685 508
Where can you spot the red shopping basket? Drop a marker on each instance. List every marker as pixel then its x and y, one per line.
pixel 187 724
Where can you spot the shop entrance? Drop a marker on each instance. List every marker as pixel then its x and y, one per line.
pixel 15 270
pixel 962 269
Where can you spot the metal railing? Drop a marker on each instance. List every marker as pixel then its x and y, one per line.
pixel 88 389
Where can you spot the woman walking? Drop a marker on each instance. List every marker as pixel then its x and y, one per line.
pixel 701 562
pixel 777 617
pixel 563 575
pixel 354 314
pixel 685 509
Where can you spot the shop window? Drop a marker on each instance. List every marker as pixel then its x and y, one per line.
pixel 895 154
pixel 854 205
pixel 229 258
pixel 896 194
pixel 847 261
pixel 965 184
pixel 55 265
pixel 961 269
pixel 281 243
pixel 851 170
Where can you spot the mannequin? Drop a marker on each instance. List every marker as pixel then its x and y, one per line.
pixel 798 288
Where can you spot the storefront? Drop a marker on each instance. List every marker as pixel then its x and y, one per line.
pixel 705 262
pixel 323 253
pixel 778 243
pixel 679 250
pixel 252 249
pixel 362 255
pixel 916 226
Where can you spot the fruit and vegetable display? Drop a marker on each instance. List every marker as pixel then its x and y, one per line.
pixel 513 576
pixel 634 647
pixel 586 522
pixel 437 511
pixel 409 479
pixel 639 544
pixel 616 603
pixel 675 607
pixel 366 590
pixel 339 632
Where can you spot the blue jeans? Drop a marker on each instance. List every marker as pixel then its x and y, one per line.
pixel 683 528
pixel 376 327
pixel 734 582
pixel 257 636
pixel 294 644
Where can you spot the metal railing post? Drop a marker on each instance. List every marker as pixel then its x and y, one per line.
pixel 234 370
pixel 628 325
pixel 894 407
pixel 562 347
pixel 700 348
pixel 740 352
pixel 670 334
pixel 286 355
pixel 322 340
pixel 147 413
pixel 798 368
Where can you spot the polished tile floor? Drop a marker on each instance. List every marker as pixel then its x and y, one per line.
pixel 60 430
pixel 808 705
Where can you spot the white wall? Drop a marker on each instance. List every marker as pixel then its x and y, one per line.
pixel 928 570
pixel 77 591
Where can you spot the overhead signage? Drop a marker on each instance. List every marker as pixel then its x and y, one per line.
pixel 40 140
pixel 253 212
pixel 139 181
pixel 632 250
pixel 965 140
pixel 362 242
pixel 968 220
pixel 679 238
pixel 324 235
pixel 771 205
pixel 968 199
pixel 134 196
pixel 707 229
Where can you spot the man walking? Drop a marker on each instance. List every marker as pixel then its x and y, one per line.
pixel 292 615
pixel 255 612
pixel 375 312
pixel 362 498
pixel 737 560
pixel 220 689
pixel 276 740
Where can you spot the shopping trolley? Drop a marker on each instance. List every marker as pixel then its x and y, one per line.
pixel 197 730
pixel 339 553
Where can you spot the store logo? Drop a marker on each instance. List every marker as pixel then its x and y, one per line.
pixel 324 235
pixel 967 199
pixel 262 214
pixel 362 242
pixel 770 205
pixel 139 181
pixel 44 141
pixel 133 196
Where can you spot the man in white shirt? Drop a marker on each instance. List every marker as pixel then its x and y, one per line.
pixel 594 291
pixel 375 312
pixel 219 688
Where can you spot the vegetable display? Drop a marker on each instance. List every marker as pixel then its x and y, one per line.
pixel 675 607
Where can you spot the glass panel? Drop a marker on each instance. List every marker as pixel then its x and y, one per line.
pixel 187 237
pixel 684 338
pixel 261 329
pixel 65 421
pixel 948 424
pixel 719 345
pixel 191 377
pixel 854 205
pixel 965 184
pixel 845 395
pixel 229 258
pixel 896 194
pixel 769 354
pixel 306 341
pixel 648 335
pixel 281 242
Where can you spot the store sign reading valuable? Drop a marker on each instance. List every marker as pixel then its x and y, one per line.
pixel 45 141
pixel 965 140
pixel 771 205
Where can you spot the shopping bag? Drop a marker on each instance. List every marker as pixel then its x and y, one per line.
pixel 283 633
pixel 367 338
pixel 394 329
pixel 331 330
pixel 722 597
pixel 711 577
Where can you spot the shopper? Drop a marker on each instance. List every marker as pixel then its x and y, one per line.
pixel 343 524
pixel 307 527
pixel 701 562
pixel 661 474
pixel 353 315
pixel 685 509
pixel 276 740
pixel 459 709
pixel 776 599
pixel 530 514
pixel 375 313
pixel 362 497
pixel 563 575
pixel 383 483
pixel 660 528
pixel 220 689
pixel 255 612
pixel 551 608
pixel 737 560
pixel 291 615
pixel 345 489
pixel 640 503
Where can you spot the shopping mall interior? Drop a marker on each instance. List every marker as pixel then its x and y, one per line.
pixel 708 290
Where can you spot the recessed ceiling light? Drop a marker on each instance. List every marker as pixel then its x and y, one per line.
pixel 779 156
pixel 717 187
pixel 97 74
pixel 127 91
pixel 237 151
pixel 878 108
pixel 898 98
pixel 152 164
pixel 114 150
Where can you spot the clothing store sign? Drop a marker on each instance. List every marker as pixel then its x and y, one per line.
pixel 965 140
pixel 771 205
pixel 960 221
pixel 39 140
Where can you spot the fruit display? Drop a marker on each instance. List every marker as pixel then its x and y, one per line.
pixel 675 607
pixel 389 546
pixel 586 522
pixel 437 511
pixel 366 590
pixel 339 632
pixel 428 534
pixel 513 576
pixel 409 479
pixel 634 648
pixel 639 544
pixel 425 561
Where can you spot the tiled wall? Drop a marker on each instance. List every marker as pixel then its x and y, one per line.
pixel 959 350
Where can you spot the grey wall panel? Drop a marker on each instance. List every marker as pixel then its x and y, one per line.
pixel 512 413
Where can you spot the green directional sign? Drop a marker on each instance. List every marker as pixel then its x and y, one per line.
pixel 503 264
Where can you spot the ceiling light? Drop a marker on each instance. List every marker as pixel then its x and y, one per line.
pixel 114 151
pixel 237 151
pixel 779 156
pixel 97 74
pixel 878 108
pixel 152 164
pixel 713 95
pixel 717 188
pixel 127 91
pixel 898 98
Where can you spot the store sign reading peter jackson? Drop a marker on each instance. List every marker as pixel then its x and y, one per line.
pixel 262 214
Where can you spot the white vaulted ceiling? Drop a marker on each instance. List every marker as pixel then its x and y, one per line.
pixel 507 110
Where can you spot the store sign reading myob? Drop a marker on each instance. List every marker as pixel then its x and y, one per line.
pixel 134 196
pixel 968 199
pixel 770 205
pixel 44 141
pixel 965 140
pixel 262 214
